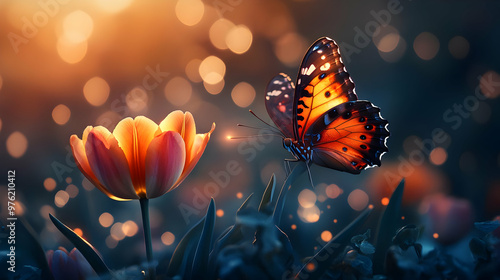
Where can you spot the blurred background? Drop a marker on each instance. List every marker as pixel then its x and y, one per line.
pixel 431 66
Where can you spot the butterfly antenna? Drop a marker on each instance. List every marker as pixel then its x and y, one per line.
pixel 264 122
pixel 251 136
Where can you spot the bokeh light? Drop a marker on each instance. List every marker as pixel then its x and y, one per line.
pixel 290 49
pixel 219 213
pixel 214 88
pixel 106 219
pixel 333 191
pixel 167 238
pixel 130 228
pixel 17 144
pixel 307 198
pixel 72 190
pixel 112 6
pixel 384 201
pixel 358 199
pixel 117 232
pixel 192 70
pixel 387 39
pixel 61 198
pixel 178 91
pixel 46 210
pixel 219 31
pixel 96 91
pixel 485 84
pixel 309 215
pixel 459 47
pixel 49 184
pixel 77 26
pixel 243 94
pixel 78 231
pixel 438 156
pixel 137 99
pixel 111 243
pixel 426 45
pixel 239 195
pixel 71 52
pixel 212 70
pixel 189 12
pixel 61 114
pixel 239 39
pixel 326 236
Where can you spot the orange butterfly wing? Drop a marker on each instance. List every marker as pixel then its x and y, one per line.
pixel 349 137
pixel 322 84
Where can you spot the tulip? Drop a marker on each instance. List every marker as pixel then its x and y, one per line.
pixel 72 265
pixel 140 159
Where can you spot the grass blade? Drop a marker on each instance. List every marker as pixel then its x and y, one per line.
pixel 280 204
pixel 267 197
pixel 200 263
pixel 83 246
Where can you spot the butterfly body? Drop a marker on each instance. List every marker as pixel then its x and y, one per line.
pixel 322 119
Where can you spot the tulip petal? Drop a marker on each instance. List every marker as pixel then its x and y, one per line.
pixel 165 160
pixel 182 123
pixel 62 266
pixel 109 164
pixel 194 154
pixel 134 137
pixel 82 162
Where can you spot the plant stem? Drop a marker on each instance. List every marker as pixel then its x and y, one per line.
pixel 147 236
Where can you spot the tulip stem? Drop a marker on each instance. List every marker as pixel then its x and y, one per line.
pixel 147 236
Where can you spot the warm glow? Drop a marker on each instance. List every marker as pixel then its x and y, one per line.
pixel 61 198
pixel 96 91
pixel 137 99
pixel 106 219
pixel 310 266
pixel 243 94
pixel 309 215
pixel 239 39
pixel 458 47
pixel 77 26
pixel 46 210
pixel 17 144
pixel 214 89
pixel 333 191
pixel 212 70
pixel 218 32
pixel 335 221
pixel 384 201
pixel 70 51
pixel 130 228
pixel 389 42
pixel 485 84
pixel 61 114
pixel 290 49
pixel 219 213
pixel 326 236
pixel 0 124
pixel 294 227
pixel 49 184
pixel 112 6
pixel 426 45
pixel 78 231
pixel 438 156
pixel 192 70
pixel 178 91
pixel 307 198
pixel 167 238
pixel 435 235
pixel 72 190
pixel 358 199
pixel 189 12
pixel 68 180
pixel 239 195
pixel 117 232
pixel 111 242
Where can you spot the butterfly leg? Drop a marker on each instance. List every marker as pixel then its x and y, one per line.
pixel 308 163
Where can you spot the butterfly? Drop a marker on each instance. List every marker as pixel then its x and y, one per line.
pixel 321 118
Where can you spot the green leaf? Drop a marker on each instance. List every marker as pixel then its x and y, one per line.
pixel 31 246
pixel 200 263
pixel 387 228
pixel 84 247
pixel 182 258
pixel 280 204
pixel 324 258
pixel 267 197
